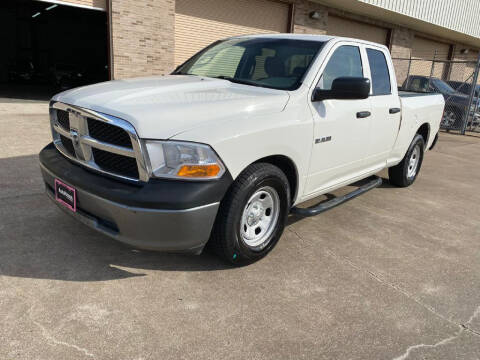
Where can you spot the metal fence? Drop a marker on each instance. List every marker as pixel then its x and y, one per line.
pixel 456 80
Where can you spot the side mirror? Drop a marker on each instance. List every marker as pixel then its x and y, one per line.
pixel 344 88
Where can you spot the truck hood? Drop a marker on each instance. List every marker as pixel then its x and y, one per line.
pixel 164 106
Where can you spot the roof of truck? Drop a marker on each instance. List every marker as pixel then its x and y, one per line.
pixel 290 36
pixel 322 38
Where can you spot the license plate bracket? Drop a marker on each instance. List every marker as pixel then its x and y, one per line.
pixel 66 195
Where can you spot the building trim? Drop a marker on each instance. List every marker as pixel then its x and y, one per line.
pixel 389 39
pixel 461 16
pixel 358 18
pixel 110 40
pixel 66 3
pixel 291 18
pixel 447 71
pixel 364 8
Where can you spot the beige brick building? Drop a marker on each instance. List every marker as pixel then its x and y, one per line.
pixel 147 37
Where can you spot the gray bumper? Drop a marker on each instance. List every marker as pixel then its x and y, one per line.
pixel 186 230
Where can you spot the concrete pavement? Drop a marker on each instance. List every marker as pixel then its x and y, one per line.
pixel 393 274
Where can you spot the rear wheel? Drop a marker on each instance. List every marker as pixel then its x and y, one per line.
pixel 252 215
pixel 405 173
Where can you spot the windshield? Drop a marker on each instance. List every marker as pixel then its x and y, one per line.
pixel 443 87
pixel 273 63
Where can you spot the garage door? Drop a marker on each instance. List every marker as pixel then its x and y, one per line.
pixel 33 65
pixel 354 29
pixel 426 49
pixel 198 23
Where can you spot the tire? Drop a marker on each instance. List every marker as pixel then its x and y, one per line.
pixel 405 173
pixel 252 215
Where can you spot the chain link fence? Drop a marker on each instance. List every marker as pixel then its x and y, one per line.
pixel 456 80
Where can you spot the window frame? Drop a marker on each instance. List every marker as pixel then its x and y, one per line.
pixel 371 74
pixel 332 53
pixel 323 57
pixel 390 67
pixel 296 86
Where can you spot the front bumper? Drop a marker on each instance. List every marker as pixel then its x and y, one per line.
pixel 164 215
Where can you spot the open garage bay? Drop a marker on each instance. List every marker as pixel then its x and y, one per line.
pixel 49 47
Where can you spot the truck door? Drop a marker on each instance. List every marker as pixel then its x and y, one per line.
pixel 385 105
pixel 341 127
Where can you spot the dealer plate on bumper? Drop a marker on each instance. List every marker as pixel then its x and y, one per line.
pixel 66 195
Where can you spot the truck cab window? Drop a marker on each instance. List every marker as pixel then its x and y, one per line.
pixel 380 74
pixel 217 61
pixel 271 63
pixel 345 61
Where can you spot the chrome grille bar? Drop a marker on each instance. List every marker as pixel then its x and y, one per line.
pixel 83 142
pixel 59 129
pixel 120 150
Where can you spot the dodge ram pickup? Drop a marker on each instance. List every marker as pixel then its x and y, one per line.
pixel 225 147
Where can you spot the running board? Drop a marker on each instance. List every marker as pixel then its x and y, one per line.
pixel 330 204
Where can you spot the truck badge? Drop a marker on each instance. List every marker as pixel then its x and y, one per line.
pixel 323 139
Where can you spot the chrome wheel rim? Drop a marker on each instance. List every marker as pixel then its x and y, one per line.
pixel 413 162
pixel 259 217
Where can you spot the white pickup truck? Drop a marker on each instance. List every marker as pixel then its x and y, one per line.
pixel 224 148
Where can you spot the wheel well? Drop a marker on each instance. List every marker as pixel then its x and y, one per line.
pixel 289 169
pixel 424 131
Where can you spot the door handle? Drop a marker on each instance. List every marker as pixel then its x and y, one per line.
pixel 394 110
pixel 363 114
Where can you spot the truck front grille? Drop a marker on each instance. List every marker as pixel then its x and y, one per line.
pixel 98 141
pixel 67 144
pixel 108 133
pixel 63 119
pixel 116 164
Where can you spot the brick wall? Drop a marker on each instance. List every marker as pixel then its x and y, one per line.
pixel 463 71
pixel 142 37
pixel 303 24
pixel 143 34
pixel 401 42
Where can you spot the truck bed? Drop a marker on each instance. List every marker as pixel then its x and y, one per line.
pixel 417 108
pixel 406 94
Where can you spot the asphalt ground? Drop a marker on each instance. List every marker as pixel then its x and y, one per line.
pixel 393 274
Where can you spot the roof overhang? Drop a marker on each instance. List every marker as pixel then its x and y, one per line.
pixel 388 16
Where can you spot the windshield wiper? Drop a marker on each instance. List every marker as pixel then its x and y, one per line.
pixel 182 73
pixel 239 81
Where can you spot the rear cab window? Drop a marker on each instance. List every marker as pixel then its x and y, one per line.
pixel 380 74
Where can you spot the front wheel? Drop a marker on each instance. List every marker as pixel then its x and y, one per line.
pixel 252 215
pixel 405 173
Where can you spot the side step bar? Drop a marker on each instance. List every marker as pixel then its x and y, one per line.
pixel 330 204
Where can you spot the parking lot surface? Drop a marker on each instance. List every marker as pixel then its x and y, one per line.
pixel 393 274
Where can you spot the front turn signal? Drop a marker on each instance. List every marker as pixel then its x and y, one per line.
pixel 199 171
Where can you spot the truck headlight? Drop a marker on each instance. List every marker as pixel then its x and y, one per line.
pixel 183 160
